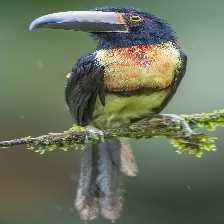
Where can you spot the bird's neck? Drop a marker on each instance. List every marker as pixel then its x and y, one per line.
pixel 115 44
pixel 110 41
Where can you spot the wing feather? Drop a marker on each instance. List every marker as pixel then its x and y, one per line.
pixel 83 87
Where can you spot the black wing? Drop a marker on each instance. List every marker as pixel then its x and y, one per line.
pixel 84 85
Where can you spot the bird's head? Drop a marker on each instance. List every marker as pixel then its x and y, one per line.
pixel 112 27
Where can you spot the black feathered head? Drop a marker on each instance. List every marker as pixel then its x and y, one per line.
pixel 112 27
pixel 143 28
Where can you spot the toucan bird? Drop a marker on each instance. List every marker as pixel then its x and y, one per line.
pixel 133 73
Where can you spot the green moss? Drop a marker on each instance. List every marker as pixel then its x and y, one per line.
pixel 210 121
pixel 43 149
pixel 197 145
pixel 76 128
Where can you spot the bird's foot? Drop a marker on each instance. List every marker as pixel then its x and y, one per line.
pixel 180 121
pixel 93 133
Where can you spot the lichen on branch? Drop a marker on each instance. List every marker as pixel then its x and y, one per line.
pixel 183 140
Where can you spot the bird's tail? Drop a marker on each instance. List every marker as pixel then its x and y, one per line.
pixel 99 188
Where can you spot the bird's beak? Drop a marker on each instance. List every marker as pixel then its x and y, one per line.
pixel 90 21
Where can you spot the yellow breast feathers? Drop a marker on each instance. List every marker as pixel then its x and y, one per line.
pixel 142 66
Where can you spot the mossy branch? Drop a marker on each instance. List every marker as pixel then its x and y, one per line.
pixel 176 128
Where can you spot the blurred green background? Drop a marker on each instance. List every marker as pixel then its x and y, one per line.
pixel 170 188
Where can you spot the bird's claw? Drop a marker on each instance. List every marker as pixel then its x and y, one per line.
pixel 94 133
pixel 187 131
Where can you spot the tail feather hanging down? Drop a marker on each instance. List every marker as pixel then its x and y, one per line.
pixel 108 179
pixel 86 199
pixel 99 185
pixel 129 165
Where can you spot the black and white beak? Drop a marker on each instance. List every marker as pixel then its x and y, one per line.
pixel 89 21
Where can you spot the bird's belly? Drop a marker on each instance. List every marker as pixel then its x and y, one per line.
pixel 120 110
pixel 131 70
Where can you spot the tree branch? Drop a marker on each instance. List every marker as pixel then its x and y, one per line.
pixel 176 128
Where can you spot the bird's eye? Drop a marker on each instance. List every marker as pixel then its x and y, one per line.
pixel 135 19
